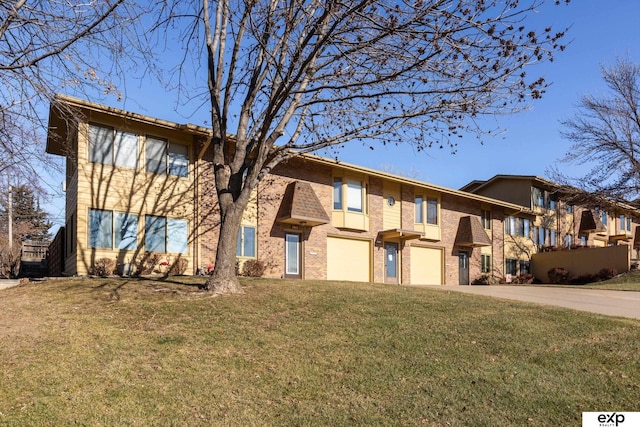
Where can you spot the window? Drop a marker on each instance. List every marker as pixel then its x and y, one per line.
pixel 542 236
pixel 552 202
pixel 246 242
pixel 337 193
pixel 569 209
pixel 165 235
pixel 485 219
pixel 525 266
pixel 486 263
pixel 354 195
pixel 625 223
pixel 432 211
pixel 568 240
pixel 553 238
pixel 126 231
pixel 112 230
pixel 538 197
pixel 165 157
pixel 524 227
pixel 100 229
pixel 583 240
pixel 603 215
pixel 628 224
pixel 418 210
pixel 112 147
pixel 517 226
pixel 511 266
pixel 510 225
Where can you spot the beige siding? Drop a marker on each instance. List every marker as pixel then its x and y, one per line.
pixel 426 266
pixel 391 213
pixel 348 259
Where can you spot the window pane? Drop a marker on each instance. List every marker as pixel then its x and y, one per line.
pixel 178 160
pixel 178 236
pixel 249 242
pixel 337 193
pixel 126 150
pixel 239 244
pixel 292 245
pixel 154 233
pixel 100 229
pixel 553 237
pixel 418 208
pixel 156 155
pixel 538 197
pixel 100 144
pixel 526 228
pixel 126 231
pixel 432 211
pixel 354 196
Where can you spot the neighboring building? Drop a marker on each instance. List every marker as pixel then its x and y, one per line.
pixel 556 224
pixel 141 190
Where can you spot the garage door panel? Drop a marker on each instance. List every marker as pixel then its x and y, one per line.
pixel 348 259
pixel 426 266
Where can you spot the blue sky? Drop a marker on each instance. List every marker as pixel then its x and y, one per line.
pixel 530 143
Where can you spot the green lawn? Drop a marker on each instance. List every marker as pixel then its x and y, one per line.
pixel 142 352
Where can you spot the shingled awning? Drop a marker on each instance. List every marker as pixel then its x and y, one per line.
pixel 590 222
pixel 471 234
pixel 301 206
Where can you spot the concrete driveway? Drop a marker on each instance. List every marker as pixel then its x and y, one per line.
pixel 610 303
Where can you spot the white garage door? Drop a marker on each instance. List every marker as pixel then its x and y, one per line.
pixel 426 266
pixel 348 259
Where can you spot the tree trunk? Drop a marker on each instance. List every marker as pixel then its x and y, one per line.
pixel 224 279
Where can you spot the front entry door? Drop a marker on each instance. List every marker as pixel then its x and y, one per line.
pixel 463 267
pixel 293 256
pixel 391 262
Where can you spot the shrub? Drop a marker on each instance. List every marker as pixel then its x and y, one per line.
pixel 523 279
pixel 607 273
pixel 253 268
pixel 149 263
pixel 558 275
pixel 103 267
pixel 178 267
pixel 485 279
pixel 583 279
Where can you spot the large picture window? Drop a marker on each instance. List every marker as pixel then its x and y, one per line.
pixel 165 157
pixel 112 230
pixel 166 235
pixel 354 196
pixel 112 147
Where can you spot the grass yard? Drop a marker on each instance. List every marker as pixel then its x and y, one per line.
pixel 142 352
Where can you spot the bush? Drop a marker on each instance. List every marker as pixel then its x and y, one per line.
pixel 558 275
pixel 583 279
pixel 149 263
pixel 485 279
pixel 178 267
pixel 253 268
pixel 523 279
pixel 607 273
pixel 103 267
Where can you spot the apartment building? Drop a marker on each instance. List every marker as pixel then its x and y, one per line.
pixel 138 186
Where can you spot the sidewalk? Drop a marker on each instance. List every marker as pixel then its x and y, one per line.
pixel 610 303
pixel 9 283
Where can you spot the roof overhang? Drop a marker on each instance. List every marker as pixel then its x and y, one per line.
pixel 619 238
pixel 471 234
pixel 301 206
pixel 399 234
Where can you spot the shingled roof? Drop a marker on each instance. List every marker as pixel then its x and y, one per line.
pixel 300 205
pixel 471 234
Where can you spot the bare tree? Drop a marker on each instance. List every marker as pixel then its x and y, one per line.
pixel 293 77
pixel 605 136
pixel 51 46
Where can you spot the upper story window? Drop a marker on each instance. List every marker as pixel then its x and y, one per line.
pixel 517 226
pixel 538 197
pixel 625 223
pixel 604 218
pixel 426 209
pixel 164 157
pixel 569 209
pixel 485 219
pixel 112 147
pixel 552 201
pixel 349 193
